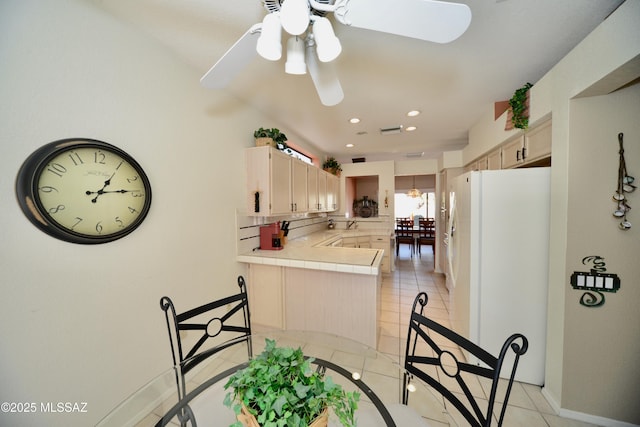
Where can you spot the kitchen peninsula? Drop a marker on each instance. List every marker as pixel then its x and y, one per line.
pixel 314 283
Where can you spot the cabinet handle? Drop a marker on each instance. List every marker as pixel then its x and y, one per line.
pixel 517 155
pixel 524 153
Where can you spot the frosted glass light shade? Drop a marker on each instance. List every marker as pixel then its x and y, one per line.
pixel 328 46
pixel 294 15
pixel 295 56
pixel 269 44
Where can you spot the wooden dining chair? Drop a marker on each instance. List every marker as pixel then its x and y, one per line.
pixel 428 357
pixel 404 235
pixel 201 332
pixel 426 235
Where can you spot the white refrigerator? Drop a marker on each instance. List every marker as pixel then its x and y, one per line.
pixel 498 252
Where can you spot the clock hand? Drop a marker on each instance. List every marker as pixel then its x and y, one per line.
pixel 101 191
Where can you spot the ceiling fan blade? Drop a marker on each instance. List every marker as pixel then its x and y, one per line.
pixel 430 20
pixel 233 61
pixel 324 79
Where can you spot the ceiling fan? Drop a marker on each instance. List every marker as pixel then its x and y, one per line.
pixel 313 45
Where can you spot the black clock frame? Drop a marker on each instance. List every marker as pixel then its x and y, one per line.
pixel 29 199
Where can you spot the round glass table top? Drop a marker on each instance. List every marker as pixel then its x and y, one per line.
pixel 351 364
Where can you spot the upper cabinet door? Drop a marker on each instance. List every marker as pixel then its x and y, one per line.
pixel 299 191
pixel 281 184
pixel 512 153
pixel 312 188
pixel 333 190
pixel 537 142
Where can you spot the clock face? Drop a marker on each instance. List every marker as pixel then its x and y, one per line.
pixel 83 191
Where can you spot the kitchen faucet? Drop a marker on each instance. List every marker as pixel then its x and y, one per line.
pixel 349 224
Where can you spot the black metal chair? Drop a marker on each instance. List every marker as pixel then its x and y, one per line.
pixel 219 324
pixel 420 361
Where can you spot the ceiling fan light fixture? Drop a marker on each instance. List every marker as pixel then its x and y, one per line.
pixel 328 46
pixel 269 44
pixel 295 56
pixel 294 15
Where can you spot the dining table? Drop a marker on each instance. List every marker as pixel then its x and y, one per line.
pixel 355 366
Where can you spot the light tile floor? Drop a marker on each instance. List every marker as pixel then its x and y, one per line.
pixel 527 406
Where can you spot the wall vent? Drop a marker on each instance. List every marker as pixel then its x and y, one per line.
pixel 391 130
pixel 420 154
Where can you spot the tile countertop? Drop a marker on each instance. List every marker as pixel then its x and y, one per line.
pixel 310 252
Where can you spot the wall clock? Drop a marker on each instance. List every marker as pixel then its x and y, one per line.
pixel 83 191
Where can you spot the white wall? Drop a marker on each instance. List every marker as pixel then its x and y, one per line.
pixel 602 344
pixel 83 323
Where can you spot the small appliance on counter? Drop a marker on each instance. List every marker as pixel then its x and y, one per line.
pixel 331 224
pixel 270 239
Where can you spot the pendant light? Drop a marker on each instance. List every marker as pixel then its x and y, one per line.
pixel 414 192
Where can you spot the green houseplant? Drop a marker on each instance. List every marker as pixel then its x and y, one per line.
pixel 332 165
pixel 279 388
pixel 279 138
pixel 519 107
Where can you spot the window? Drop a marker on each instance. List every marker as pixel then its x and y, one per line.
pixel 409 207
pixel 298 155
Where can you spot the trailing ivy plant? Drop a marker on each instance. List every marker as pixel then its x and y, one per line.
pixel 280 388
pixel 518 107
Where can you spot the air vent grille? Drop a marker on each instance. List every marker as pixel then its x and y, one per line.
pixel 391 130
pixel 420 154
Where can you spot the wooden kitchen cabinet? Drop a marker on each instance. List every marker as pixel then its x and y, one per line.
pixel 266 298
pixel 287 185
pixel 533 145
pixel 268 175
pixel 537 142
pixel 322 191
pixel 299 186
pixel 494 159
pixel 383 242
pixel 512 152
pixel 333 189
pixel 312 188
pixel 279 179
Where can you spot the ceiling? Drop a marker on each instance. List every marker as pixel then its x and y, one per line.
pixel 509 43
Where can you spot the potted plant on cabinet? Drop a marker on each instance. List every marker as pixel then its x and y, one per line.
pixel 280 388
pixel 331 165
pixel 272 137
pixel 518 115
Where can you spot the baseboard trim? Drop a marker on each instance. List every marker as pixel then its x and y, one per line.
pixel 581 416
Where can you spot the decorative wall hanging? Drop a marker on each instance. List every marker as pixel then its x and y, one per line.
pixel 623 187
pixel 594 282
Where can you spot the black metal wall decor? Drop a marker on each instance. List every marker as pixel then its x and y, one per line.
pixel 624 186
pixel 594 282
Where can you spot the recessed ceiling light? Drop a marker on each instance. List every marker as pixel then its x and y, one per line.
pixel 349 145
pixel 354 120
pixel 413 113
pixel 410 128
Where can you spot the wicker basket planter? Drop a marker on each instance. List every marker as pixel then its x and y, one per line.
pixel 261 142
pixel 335 172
